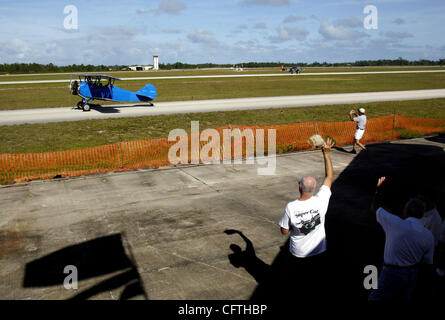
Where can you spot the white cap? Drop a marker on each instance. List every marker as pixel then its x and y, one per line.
pixel 362 110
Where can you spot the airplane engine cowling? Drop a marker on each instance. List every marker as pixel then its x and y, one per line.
pixel 75 88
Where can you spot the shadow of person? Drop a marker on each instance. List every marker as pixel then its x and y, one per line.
pixel 288 278
pixel 247 259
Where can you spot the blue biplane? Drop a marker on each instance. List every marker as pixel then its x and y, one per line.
pixel 101 87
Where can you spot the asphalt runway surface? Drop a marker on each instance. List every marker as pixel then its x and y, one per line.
pixel 283 74
pixel 46 115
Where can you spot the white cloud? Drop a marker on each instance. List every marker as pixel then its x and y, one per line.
pixel 287 33
pixel 334 32
pixel 398 35
pixel 13 50
pixel 173 31
pixel 399 21
pixel 267 2
pixel 142 11
pixel 292 18
pixel 260 25
pixel 253 45
pixel 202 37
pixel 349 22
pixel 238 30
pixel 171 7
pixel 105 45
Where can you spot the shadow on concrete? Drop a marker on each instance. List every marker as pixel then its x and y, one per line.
pixel 437 138
pixel 94 258
pixel 354 238
pixel 115 109
pixel 104 109
pixel 341 149
pixel 247 259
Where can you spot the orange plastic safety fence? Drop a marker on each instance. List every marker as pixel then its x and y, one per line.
pixel 154 153
pixel 423 126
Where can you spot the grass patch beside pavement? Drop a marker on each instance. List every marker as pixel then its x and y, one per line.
pixel 408 134
pixel 207 71
pixel 53 95
pixel 28 138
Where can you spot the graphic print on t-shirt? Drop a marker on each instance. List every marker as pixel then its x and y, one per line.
pixel 307 221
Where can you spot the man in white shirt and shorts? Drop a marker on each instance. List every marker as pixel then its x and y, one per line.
pixel 304 219
pixel 360 118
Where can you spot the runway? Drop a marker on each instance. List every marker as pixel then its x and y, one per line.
pixel 283 74
pixel 45 115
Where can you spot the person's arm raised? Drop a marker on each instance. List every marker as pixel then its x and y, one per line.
pixel 376 201
pixel 352 113
pixel 329 170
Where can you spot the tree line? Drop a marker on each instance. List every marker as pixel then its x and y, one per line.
pixel 49 68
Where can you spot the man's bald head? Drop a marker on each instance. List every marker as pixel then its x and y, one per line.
pixel 307 184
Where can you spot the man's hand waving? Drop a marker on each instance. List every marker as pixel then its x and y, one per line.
pixel 328 145
pixel 376 201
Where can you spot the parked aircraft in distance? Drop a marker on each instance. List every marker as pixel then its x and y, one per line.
pixel 292 70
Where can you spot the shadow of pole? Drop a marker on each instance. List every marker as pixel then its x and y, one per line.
pixel 91 259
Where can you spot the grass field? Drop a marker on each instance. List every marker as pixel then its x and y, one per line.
pixel 57 95
pixel 197 72
pixel 80 134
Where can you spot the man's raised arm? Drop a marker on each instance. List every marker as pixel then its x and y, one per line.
pixel 376 201
pixel 329 170
pixel 352 114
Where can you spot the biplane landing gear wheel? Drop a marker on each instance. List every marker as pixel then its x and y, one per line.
pixel 86 107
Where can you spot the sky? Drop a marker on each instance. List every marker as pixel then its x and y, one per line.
pixel 230 32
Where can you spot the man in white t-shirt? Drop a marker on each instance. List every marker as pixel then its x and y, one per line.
pixel 408 245
pixel 304 218
pixel 307 264
pixel 360 118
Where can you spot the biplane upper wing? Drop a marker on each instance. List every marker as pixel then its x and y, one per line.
pixel 96 76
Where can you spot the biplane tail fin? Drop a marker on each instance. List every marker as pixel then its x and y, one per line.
pixel 147 93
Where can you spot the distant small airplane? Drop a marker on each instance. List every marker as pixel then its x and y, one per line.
pixel 90 87
pixel 292 69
